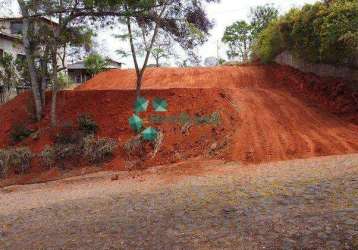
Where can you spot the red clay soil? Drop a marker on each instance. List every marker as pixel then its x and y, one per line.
pixel 267 114
pixel 333 95
pixel 111 110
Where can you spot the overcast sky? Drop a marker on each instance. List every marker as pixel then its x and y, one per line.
pixel 223 14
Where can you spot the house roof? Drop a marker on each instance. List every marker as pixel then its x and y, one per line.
pixel 81 65
pixel 11 37
pixel 19 18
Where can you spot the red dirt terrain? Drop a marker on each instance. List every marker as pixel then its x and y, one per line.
pixel 267 113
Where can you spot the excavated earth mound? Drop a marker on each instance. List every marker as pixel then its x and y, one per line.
pixel 267 113
pixel 333 95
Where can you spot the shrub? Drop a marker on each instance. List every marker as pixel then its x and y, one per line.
pixel 66 151
pixel 157 143
pixel 269 43
pixel 137 149
pixel 87 125
pixel 19 132
pixel 18 159
pixel 134 147
pixel 317 33
pixel 67 134
pixel 97 150
pixel 4 162
pixel 59 154
pixel 48 156
pixel 64 81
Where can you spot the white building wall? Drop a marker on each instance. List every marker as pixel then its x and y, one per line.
pixel 5 27
pixel 11 47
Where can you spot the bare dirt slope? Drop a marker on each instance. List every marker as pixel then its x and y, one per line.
pixel 299 204
pixel 164 78
pixel 280 117
pixel 267 113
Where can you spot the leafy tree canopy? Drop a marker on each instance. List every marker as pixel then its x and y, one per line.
pixel 95 64
pixel 319 33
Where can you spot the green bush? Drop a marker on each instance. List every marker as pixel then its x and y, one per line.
pixel 19 132
pixel 87 125
pixel 59 154
pixel 4 162
pixel 318 33
pixel 97 150
pixel 269 43
pixel 48 156
pixel 18 159
pixel 21 159
pixel 134 147
pixel 68 134
pixel 64 81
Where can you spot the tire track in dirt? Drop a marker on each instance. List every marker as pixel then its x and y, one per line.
pixel 277 126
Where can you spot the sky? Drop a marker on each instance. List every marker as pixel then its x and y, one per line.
pixel 223 14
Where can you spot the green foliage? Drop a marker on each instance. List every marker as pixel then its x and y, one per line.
pixel 68 134
pixel 339 26
pixel 64 81
pixel 11 73
pixel 95 64
pixel 59 154
pixel 261 16
pixel 87 125
pixel 318 33
pixel 221 61
pixel 19 132
pixel 269 43
pixel 18 159
pixel 241 36
pixel 4 162
pixel 78 143
pixel 238 36
pixel 98 150
pixel 48 156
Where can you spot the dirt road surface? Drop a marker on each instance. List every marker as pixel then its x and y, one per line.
pixel 298 204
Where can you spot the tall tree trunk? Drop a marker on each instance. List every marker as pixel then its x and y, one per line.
pixel 54 106
pixel 140 72
pixel 139 84
pixel 44 70
pixel 134 55
pixel 29 59
pixel 54 88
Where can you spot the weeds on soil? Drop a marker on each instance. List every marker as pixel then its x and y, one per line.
pixel 16 159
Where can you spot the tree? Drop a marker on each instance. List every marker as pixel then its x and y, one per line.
pixel 239 37
pixel 185 21
pixel 65 12
pixel 9 75
pixel 261 16
pixel 316 33
pixel 163 48
pixel 95 64
pixel 47 40
pixel 27 29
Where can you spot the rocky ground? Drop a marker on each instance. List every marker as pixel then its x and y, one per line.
pixel 300 204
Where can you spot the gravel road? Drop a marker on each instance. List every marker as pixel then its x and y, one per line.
pixel 299 204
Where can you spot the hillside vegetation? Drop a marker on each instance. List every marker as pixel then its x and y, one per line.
pixel 317 33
